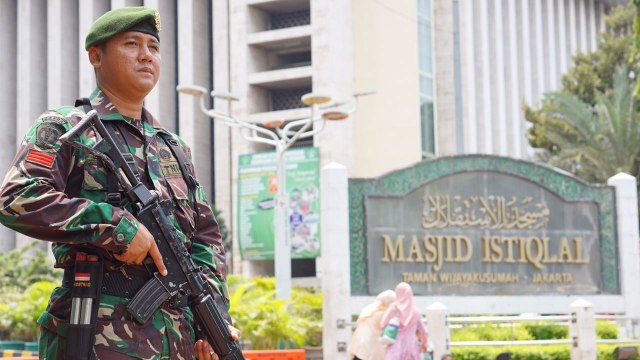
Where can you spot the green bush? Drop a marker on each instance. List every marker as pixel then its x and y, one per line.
pixel 533 330
pixel 490 332
pixel 547 331
pixel 27 278
pixel 606 329
pixel 20 310
pixel 542 352
pixel 607 351
pixel 270 323
pixel 542 331
pixel 539 352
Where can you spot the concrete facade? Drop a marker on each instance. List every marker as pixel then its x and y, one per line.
pixel 44 65
pixel 512 52
pixel 387 62
pixel 484 70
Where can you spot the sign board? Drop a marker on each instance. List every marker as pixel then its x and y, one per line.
pixel 483 225
pixel 257 189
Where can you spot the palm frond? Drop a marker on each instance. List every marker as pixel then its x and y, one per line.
pixel 595 142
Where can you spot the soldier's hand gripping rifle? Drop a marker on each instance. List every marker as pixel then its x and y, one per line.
pixel 184 279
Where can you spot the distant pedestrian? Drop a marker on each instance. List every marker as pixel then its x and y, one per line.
pixel 364 341
pixel 412 334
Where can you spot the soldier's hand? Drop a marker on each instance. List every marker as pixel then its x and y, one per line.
pixel 235 333
pixel 204 351
pixel 141 245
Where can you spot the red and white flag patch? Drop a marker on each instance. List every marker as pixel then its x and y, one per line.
pixel 83 277
pixel 40 158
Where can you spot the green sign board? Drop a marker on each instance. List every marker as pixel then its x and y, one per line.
pixel 257 190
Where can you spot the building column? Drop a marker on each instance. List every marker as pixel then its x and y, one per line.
pixel 467 31
pixel 88 12
pixel 31 54
pixel 163 98
pixel 443 74
pixel 8 86
pixel 62 53
pixel 335 262
pixel 193 26
pixel 628 235
pixel 332 58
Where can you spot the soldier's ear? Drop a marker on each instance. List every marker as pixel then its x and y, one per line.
pixel 95 56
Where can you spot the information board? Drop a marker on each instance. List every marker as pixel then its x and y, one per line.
pixel 257 190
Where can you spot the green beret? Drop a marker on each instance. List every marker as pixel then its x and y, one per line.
pixel 130 18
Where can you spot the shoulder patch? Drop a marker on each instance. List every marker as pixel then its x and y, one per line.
pixel 40 158
pixel 54 119
pixel 48 133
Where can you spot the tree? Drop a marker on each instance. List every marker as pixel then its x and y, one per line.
pixel 591 89
pixel 19 268
pixel 595 141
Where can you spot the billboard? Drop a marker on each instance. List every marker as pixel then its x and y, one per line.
pixel 257 190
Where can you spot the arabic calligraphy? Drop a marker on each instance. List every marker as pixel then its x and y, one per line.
pixel 484 212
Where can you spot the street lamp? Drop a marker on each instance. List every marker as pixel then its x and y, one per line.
pixel 281 137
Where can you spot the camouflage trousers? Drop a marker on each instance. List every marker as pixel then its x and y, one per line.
pixel 167 335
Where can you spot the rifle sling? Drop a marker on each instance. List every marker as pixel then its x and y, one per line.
pixel 114 196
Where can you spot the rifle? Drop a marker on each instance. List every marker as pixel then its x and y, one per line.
pixel 184 278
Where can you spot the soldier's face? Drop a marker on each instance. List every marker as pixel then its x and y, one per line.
pixel 129 64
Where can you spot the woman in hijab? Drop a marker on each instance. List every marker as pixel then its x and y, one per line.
pixel 364 341
pixel 412 334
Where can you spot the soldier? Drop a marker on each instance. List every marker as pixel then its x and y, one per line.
pixel 55 193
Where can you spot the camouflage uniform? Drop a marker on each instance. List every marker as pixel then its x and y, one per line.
pixel 56 193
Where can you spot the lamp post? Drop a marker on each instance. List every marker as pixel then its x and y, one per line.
pixel 281 137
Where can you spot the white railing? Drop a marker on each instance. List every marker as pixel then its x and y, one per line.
pixel 580 320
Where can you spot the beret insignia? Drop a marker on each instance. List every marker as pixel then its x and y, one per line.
pixel 157 20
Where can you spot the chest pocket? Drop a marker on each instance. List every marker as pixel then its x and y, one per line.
pixel 172 173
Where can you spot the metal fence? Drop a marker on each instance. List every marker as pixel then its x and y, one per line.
pixel 580 320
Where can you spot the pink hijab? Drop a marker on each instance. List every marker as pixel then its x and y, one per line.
pixel 403 306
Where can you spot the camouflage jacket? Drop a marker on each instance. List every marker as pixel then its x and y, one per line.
pixel 56 193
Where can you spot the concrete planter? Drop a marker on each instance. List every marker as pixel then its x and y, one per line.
pixel 11 345
pixel 313 353
pixel 289 354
